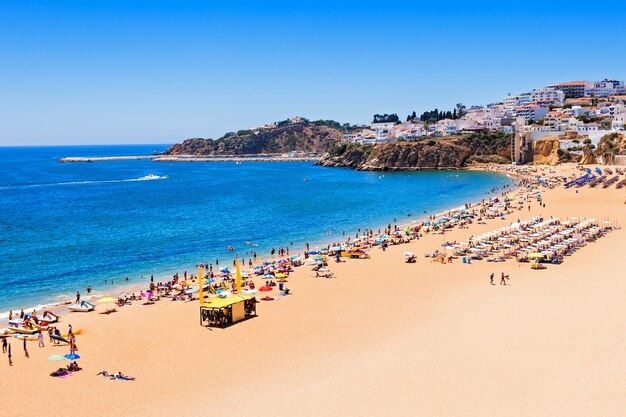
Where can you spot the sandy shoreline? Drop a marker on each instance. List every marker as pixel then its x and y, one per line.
pixel 134 286
pixel 384 338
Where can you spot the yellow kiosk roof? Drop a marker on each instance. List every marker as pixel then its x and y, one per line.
pixel 225 302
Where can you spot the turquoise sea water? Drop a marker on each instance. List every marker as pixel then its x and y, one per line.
pixel 66 226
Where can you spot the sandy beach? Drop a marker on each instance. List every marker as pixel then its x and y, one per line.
pixel 382 338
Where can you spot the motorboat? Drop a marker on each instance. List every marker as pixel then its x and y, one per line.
pixel 82 307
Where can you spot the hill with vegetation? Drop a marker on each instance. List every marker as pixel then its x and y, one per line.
pixel 302 136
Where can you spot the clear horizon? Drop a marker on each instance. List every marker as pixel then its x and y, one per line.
pixel 158 72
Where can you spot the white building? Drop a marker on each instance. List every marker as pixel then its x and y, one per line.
pixel 548 94
pixel 511 102
pixel 409 131
pixel 584 129
pixel 600 89
pixel 531 112
pixel 445 127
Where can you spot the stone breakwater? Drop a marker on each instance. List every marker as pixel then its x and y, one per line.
pixel 105 158
pixel 194 158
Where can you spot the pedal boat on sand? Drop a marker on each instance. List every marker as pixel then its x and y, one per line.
pixel 82 307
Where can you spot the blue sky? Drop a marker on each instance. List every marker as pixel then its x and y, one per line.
pixel 104 72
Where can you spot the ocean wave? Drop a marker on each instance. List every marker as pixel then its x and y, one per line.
pixel 149 177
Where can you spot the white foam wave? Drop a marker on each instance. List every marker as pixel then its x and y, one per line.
pixel 149 177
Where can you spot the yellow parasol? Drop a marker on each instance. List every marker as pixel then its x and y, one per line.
pixel 200 281
pixel 237 277
pixel 535 255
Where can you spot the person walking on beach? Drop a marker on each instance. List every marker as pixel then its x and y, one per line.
pixel 40 338
pixel 4 345
pixel 503 279
pixel 491 278
pixel 77 297
pixel 73 348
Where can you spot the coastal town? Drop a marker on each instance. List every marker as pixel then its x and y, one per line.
pixel 591 108
pixel 576 113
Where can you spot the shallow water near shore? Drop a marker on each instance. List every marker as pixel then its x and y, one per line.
pixel 68 225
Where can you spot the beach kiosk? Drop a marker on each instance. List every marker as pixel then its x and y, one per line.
pixel 222 312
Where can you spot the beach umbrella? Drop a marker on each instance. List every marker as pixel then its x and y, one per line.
pixel 535 255
pixel 56 358
pixel 225 270
pixel 409 254
pixel 318 258
pixel 107 299
pixel 70 356
pixel 265 288
pixel 191 291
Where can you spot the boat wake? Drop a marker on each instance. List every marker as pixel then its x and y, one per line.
pixel 150 177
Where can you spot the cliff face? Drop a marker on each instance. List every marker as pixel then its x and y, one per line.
pixel 588 157
pixel 546 151
pixel 397 156
pixel 294 137
pixel 413 156
pixel 610 145
pixel 451 152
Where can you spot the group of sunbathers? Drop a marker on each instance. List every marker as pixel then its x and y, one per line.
pixel 72 367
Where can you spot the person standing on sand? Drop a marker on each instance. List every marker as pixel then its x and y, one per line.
pixel 40 338
pixel 503 279
pixel 4 345
pixel 77 297
pixel 491 278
